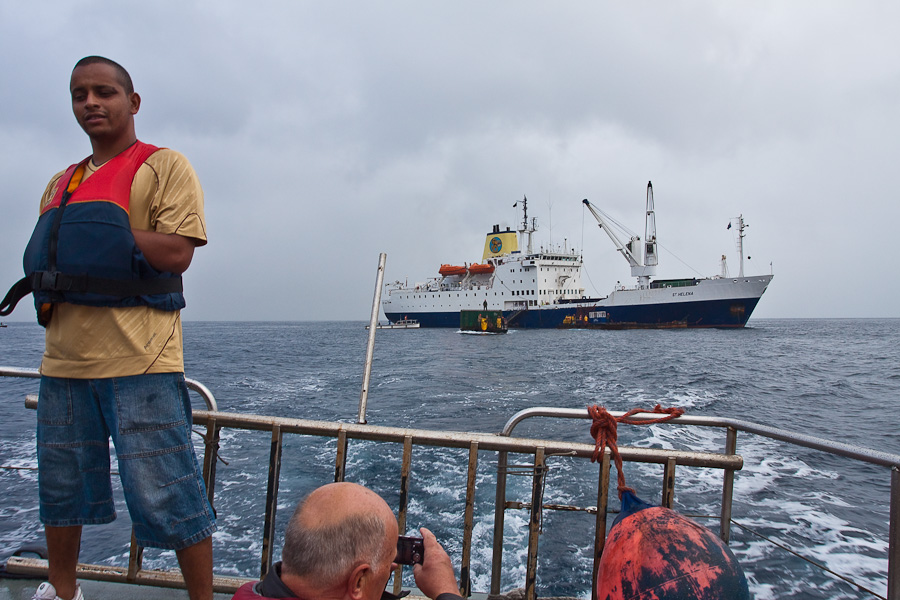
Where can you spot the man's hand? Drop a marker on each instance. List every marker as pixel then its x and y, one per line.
pixel 435 575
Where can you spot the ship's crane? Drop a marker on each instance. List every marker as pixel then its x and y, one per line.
pixel 651 259
pixel 640 269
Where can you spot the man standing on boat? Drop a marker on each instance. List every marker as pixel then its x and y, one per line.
pixel 340 544
pixel 105 262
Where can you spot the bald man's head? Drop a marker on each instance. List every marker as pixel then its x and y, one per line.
pixel 337 527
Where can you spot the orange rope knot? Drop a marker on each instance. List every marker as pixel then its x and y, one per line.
pixel 604 430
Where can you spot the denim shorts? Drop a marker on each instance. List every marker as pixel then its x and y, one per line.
pixel 149 420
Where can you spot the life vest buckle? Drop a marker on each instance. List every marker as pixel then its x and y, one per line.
pixel 45 280
pixel 56 281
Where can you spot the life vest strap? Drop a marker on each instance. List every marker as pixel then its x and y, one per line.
pixel 55 281
pixel 18 291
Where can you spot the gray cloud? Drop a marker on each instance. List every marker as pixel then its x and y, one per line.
pixel 325 133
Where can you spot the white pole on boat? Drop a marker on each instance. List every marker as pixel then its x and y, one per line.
pixel 370 346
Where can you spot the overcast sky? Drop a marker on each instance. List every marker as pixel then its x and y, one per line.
pixel 325 133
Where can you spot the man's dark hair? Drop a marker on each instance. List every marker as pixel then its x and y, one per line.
pixel 123 76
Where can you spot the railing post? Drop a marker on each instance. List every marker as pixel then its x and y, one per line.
pixel 271 501
pixel 600 524
pixel 668 491
pixel 404 503
pixel 535 522
pixel 340 459
pixel 135 559
pixel 893 587
pixel 465 576
pixel 210 457
pixel 499 516
pixel 727 488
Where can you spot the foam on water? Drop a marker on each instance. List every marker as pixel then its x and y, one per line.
pixel 784 373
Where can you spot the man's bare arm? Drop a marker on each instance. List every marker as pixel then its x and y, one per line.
pixel 165 251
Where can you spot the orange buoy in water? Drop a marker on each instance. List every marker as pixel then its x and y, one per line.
pixel 654 553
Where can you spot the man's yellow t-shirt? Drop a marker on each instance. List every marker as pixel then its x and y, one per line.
pixel 89 342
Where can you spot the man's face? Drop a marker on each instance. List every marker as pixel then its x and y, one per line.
pixel 100 103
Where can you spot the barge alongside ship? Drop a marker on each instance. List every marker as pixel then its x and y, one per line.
pixel 544 290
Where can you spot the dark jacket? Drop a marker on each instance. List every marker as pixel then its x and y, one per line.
pixel 272 587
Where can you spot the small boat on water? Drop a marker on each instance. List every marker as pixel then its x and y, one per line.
pixel 480 321
pixel 399 324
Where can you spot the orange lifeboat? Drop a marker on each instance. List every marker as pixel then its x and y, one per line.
pixel 448 270
pixel 477 269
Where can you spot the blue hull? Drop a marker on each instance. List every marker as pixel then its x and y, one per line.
pixel 707 313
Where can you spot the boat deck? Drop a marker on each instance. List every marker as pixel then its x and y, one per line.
pixel 22 589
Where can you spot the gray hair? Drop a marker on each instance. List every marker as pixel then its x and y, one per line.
pixel 330 552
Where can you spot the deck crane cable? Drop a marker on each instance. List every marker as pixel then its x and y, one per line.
pixel 678 258
pixel 621 228
pixel 604 431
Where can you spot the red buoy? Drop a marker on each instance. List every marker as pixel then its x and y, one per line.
pixel 654 553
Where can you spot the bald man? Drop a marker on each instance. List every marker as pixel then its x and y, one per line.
pixel 340 545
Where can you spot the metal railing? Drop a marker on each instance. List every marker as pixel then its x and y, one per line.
pixel 476 444
pixel 473 442
pixel 192 384
pixel 732 426
pixel 502 444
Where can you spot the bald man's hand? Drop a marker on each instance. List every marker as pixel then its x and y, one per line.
pixel 435 575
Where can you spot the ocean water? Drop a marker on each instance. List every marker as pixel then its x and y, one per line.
pixel 838 379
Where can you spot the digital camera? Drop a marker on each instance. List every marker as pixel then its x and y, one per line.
pixel 410 550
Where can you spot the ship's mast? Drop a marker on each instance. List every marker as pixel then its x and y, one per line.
pixel 740 242
pixel 525 229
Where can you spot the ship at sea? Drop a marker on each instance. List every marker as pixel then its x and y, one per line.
pixel 543 289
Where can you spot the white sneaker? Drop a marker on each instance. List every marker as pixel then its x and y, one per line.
pixel 46 591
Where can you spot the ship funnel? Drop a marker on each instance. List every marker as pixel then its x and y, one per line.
pixel 500 243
